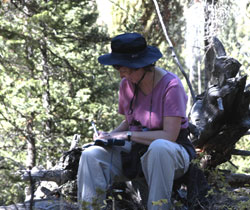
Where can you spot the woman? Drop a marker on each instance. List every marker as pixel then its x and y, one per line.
pixel 153 102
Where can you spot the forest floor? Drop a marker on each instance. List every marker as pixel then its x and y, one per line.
pixel 226 199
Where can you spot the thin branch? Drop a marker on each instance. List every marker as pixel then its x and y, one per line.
pixel 172 49
pixel 233 164
pixel 240 152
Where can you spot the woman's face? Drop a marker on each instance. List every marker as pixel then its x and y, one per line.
pixel 133 75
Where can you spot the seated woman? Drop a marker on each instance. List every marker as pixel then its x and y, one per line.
pixel 153 102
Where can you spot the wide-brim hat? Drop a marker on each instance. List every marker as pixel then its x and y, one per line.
pixel 130 50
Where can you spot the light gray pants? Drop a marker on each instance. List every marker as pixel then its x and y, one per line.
pixel 162 163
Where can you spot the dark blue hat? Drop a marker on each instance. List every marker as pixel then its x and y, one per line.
pixel 130 50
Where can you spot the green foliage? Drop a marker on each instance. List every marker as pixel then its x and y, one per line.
pixel 160 203
pixel 223 196
pixel 234 34
pixel 96 202
pixel 241 162
pixel 11 188
pixel 52 86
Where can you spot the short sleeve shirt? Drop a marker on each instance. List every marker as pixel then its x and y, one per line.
pixel 168 99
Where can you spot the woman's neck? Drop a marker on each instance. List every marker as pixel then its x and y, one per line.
pixel 147 84
pixel 151 79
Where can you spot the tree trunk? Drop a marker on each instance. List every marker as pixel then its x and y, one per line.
pixel 208 34
pixel 31 145
pixel 46 95
pixel 194 44
pixel 221 116
pixel 46 85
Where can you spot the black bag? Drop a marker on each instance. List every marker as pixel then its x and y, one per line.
pixel 131 163
pixel 183 140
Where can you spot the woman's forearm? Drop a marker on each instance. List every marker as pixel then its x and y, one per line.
pixel 122 127
pixel 145 137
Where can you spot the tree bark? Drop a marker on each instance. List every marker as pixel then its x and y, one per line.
pixel 54 175
pixel 237 180
pixel 221 115
pixel 31 144
pixel 46 93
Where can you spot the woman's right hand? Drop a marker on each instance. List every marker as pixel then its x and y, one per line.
pixel 101 135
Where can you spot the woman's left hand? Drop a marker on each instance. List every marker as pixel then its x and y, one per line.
pixel 103 135
pixel 114 135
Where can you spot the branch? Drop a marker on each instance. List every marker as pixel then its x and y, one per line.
pixel 32 190
pixel 238 179
pixel 58 176
pixel 172 49
pixel 240 152
pixel 219 48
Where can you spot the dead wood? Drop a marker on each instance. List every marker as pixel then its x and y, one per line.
pixel 58 176
pixel 221 115
pixel 63 171
pixel 238 180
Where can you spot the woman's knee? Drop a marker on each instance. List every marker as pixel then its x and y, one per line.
pixel 161 145
pixel 92 152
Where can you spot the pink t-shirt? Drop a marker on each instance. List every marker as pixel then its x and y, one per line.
pixel 168 99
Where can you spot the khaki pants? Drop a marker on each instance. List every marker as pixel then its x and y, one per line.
pixel 162 163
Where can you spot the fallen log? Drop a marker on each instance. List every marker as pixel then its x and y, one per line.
pixel 58 176
pixel 64 170
pixel 238 180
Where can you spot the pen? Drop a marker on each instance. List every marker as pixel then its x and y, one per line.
pixel 94 128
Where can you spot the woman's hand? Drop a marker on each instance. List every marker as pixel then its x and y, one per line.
pixel 112 135
pixel 102 135
pixel 117 133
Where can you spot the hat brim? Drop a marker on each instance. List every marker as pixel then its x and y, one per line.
pixel 148 56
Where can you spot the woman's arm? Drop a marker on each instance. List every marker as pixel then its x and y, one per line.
pixel 122 127
pixel 117 131
pixel 171 129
